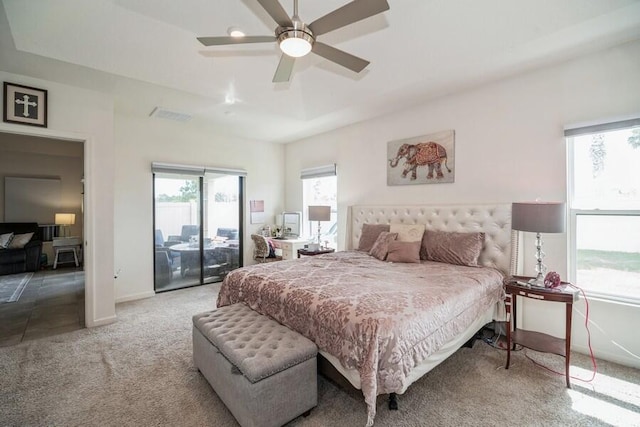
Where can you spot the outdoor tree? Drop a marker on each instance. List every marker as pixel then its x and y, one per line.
pixel 634 138
pixel 598 149
pixel 189 191
pixel 598 153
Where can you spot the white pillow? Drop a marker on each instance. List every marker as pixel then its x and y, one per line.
pixel 5 239
pixel 408 232
pixel 19 240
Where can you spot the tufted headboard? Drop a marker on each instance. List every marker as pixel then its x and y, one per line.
pixel 493 220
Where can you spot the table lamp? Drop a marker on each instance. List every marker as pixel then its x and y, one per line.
pixel 319 213
pixel 538 217
pixel 65 220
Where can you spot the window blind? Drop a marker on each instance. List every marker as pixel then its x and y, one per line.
pixel 225 171
pixel 318 172
pixel 603 127
pixel 158 167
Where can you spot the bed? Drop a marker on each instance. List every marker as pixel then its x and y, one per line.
pixel 383 325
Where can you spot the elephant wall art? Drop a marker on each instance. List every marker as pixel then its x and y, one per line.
pixel 427 159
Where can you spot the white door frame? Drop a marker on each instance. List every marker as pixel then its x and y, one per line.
pixel 88 232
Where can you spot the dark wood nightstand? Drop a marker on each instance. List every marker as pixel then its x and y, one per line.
pixel 307 252
pixel 537 340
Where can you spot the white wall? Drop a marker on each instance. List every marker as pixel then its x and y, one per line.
pixel 28 156
pixel 82 115
pixel 509 146
pixel 143 140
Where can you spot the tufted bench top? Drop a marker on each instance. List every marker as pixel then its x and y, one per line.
pixel 257 345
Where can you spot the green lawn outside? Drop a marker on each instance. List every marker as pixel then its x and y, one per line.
pixel 625 261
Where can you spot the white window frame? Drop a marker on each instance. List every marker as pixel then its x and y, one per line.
pixel 575 212
pixel 312 173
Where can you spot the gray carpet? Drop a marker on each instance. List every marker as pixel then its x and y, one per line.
pixel 12 286
pixel 139 372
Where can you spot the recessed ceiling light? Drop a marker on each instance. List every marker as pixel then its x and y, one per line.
pixel 235 32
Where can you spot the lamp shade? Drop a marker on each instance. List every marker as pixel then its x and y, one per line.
pixel 65 218
pixel 319 213
pixel 538 217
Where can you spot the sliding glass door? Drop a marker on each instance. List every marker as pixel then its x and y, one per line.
pixel 221 218
pixel 197 226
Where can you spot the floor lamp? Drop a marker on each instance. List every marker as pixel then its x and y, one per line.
pixel 65 220
pixel 319 213
pixel 538 217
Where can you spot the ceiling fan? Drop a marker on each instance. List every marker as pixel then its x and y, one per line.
pixel 297 39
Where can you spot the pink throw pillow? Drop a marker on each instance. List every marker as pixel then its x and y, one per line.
pixel 370 233
pixel 404 251
pixel 381 246
pixel 453 248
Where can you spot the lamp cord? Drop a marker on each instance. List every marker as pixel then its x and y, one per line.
pixel 586 325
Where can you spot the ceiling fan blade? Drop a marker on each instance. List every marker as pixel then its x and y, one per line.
pixel 217 41
pixel 277 12
pixel 352 12
pixel 285 66
pixel 340 57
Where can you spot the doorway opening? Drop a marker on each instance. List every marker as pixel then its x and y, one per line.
pixel 47 300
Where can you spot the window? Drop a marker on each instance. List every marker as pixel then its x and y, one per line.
pixel 320 187
pixel 604 195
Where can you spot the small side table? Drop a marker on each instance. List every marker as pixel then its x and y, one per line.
pixel 63 245
pixel 307 252
pixel 537 340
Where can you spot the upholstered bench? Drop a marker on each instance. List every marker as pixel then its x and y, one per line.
pixel 264 372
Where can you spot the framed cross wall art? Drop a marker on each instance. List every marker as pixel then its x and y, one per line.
pixel 25 105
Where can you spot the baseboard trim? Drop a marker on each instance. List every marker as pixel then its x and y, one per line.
pixel 611 357
pixel 102 322
pixel 134 297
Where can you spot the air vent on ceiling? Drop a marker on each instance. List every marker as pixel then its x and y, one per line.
pixel 164 113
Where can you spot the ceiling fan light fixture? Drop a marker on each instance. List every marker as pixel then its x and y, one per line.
pixel 235 32
pixel 295 42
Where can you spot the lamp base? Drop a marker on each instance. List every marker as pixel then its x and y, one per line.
pixel 319 243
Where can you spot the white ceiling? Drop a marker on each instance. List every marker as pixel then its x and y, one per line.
pixel 146 54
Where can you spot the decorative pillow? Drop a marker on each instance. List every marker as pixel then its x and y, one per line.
pixel 19 240
pixel 454 248
pixel 5 239
pixel 370 233
pixel 381 245
pixel 403 251
pixel 423 246
pixel 408 232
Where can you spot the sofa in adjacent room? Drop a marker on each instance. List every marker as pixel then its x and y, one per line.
pixel 20 247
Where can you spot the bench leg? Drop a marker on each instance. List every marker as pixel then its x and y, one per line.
pixel 306 414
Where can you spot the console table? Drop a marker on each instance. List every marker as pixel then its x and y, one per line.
pixel 537 340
